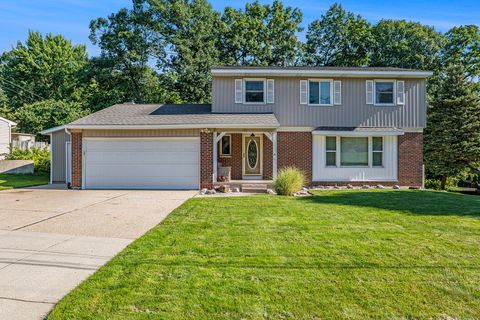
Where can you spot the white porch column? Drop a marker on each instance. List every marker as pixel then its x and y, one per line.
pixel 274 143
pixel 214 156
pixel 216 138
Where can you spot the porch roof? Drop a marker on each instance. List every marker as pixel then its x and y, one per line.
pixel 137 116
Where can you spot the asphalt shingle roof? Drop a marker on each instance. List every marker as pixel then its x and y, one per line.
pixel 172 114
pixel 393 69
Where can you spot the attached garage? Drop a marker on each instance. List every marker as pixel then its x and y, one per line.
pixel 141 163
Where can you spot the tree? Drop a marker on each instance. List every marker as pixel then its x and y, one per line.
pixel 41 115
pixel 42 68
pixel 189 29
pixel 452 137
pixel 338 38
pixel 463 47
pixel 127 44
pixel 398 43
pixel 5 111
pixel 260 35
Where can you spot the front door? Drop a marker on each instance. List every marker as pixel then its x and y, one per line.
pixel 252 156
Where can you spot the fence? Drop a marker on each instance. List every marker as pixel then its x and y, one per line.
pixel 27 145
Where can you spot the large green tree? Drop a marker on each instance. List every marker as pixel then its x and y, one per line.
pixel 452 137
pixel 42 68
pixel 41 115
pixel 463 47
pixel 338 38
pixel 398 43
pixel 128 47
pixel 189 29
pixel 260 35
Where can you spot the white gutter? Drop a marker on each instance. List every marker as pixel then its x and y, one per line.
pixel 312 72
pixel 170 126
pixel 358 133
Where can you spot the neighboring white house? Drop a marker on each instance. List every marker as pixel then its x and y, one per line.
pixel 5 136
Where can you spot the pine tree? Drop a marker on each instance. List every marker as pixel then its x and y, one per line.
pixel 452 136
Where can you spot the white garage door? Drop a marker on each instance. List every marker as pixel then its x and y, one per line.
pixel 160 163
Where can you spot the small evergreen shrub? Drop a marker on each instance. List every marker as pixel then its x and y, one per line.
pixel 40 157
pixel 289 181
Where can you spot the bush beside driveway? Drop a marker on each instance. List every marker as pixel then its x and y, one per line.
pixel 337 254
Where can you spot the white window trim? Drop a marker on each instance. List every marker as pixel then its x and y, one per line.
pixel 382 152
pixel 394 82
pixel 327 151
pixel 221 146
pixel 244 94
pixel 338 152
pixel 319 87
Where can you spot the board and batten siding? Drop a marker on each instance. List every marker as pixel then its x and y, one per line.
pixel 5 137
pixel 58 153
pixel 323 173
pixel 353 112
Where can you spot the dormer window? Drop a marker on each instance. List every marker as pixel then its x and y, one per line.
pixel 254 91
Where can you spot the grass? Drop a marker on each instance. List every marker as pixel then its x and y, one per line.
pixel 359 254
pixel 11 181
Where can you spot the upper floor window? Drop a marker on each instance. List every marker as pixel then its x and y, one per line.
pixel 320 92
pixel 254 91
pixel 384 92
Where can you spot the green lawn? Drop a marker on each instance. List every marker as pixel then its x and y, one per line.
pixel 339 254
pixel 10 181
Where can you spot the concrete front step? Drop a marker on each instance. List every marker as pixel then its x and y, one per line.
pixel 254 188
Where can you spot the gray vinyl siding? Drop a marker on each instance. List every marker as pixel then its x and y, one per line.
pixel 58 150
pixel 4 139
pixel 354 112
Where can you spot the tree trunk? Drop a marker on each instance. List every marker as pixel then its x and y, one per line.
pixel 444 182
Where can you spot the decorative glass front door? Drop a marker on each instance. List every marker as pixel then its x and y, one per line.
pixel 252 156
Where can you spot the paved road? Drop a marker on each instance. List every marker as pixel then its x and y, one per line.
pixel 51 240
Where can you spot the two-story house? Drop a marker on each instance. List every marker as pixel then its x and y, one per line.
pixel 338 125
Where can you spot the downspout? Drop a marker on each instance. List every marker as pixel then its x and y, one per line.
pixel 66 159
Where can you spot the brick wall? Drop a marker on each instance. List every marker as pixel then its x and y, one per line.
pixel 235 160
pixel 295 149
pixel 76 144
pixel 206 160
pixel 267 158
pixel 410 159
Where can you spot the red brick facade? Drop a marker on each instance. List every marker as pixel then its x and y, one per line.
pixel 267 158
pixel 410 159
pixel 295 149
pixel 76 139
pixel 206 160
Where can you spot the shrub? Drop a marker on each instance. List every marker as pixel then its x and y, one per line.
pixel 40 157
pixel 289 181
pixel 435 184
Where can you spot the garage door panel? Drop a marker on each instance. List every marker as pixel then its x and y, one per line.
pixel 144 183
pixel 182 157
pixel 125 171
pixel 142 163
pixel 145 145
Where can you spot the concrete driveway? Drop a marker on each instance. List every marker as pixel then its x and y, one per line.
pixel 51 240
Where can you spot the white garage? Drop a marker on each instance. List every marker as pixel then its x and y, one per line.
pixel 141 163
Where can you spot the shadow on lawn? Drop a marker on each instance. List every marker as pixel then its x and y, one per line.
pixel 415 202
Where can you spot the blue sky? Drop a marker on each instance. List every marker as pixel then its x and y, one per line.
pixel 71 17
